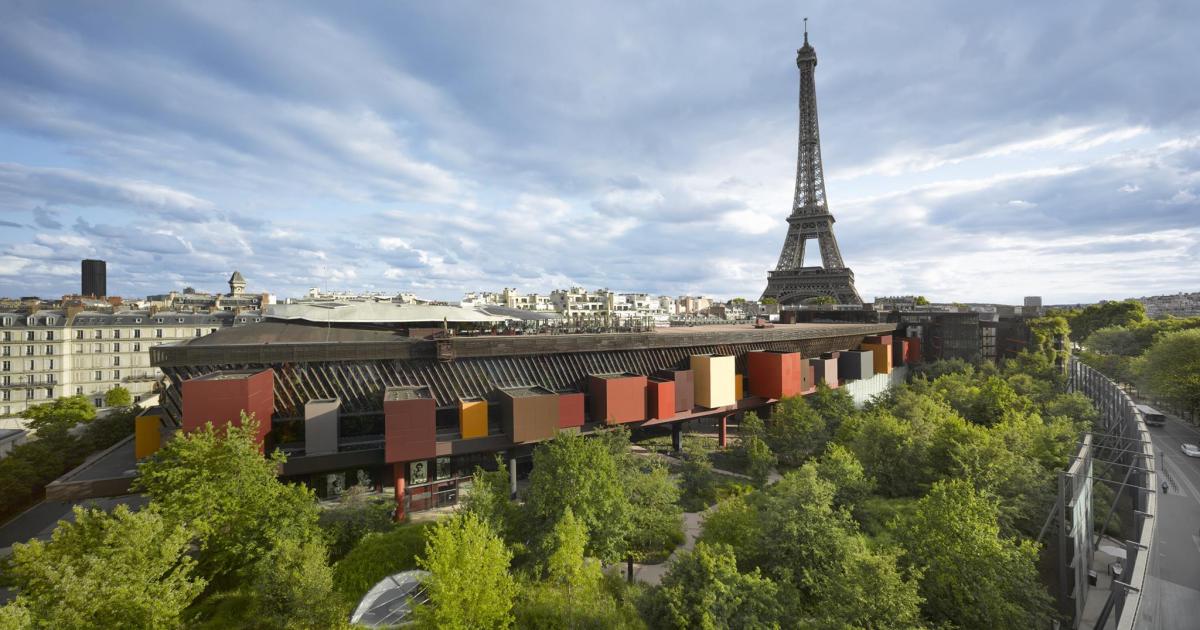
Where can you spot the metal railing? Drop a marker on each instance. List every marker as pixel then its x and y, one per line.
pixel 1120 418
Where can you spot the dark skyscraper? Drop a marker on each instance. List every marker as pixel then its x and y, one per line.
pixel 95 281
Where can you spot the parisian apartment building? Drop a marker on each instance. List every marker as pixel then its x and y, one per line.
pixel 45 354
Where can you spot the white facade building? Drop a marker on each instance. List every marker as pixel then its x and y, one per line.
pixel 48 354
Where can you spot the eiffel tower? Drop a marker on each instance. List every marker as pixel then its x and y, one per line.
pixel 791 282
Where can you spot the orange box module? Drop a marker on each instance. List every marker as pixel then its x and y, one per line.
pixel 221 397
pixel 661 399
pixel 617 398
pixel 409 424
pixel 774 374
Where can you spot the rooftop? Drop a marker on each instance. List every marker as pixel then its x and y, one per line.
pixel 406 393
pixel 527 392
pixel 378 313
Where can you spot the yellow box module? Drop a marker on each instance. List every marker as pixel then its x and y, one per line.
pixel 715 382
pixel 739 387
pixel 147 435
pixel 473 418
pixel 882 355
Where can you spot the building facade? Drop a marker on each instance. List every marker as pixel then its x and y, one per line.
pixel 46 354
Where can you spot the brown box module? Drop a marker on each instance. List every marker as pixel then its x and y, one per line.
pixel 685 387
pixel 618 398
pixel 530 413
pixel 410 424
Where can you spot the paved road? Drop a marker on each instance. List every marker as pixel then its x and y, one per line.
pixel 1172 596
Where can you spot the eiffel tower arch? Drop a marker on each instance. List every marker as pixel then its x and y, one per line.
pixel 792 282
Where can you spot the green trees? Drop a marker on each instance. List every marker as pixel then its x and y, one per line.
pixel 1126 313
pixel 698 481
pixel 655 525
pixel 118 397
pixel 753 449
pixel 294 587
pixel 376 556
pixel 216 482
pixel 796 432
pixel 582 474
pixel 469 585
pixel 970 576
pixel 703 589
pixel 1170 369
pixel 841 468
pixel 120 570
pixel 60 415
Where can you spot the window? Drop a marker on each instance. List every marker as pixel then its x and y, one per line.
pixel 30 335
pixel 28 351
pixel 136 320
pixel 7 334
pixel 99 375
pixel 7 396
pixel 31 366
pixel 99 402
pixel 158 320
pixel 116 375
pixel 137 332
pixel 49 349
pixel 8 351
pixel 49 392
pixel 137 347
pixel 116 347
pixel 29 394
pixel 98 347
pixel 158 333
pixel 7 365
pixel 78 348
pixel 212 330
pixel 50 366
pixel 78 391
pixel 99 334
pixel 197 332
pixel 79 334
pixel 117 361
pixel 137 399
pixel 117 334
pixel 179 320
pixel 49 335
pixel 7 380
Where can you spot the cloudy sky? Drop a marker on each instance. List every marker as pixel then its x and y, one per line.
pixel 973 151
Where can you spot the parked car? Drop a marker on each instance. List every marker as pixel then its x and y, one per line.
pixel 1191 450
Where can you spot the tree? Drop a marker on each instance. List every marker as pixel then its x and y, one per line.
pixel 841 468
pixel 218 483
pixel 469 585
pixel 753 450
pixel 489 500
pixel 120 570
pixel 971 577
pixel 1125 313
pixel 921 301
pixel 770 300
pixel 118 397
pixel 1170 369
pixel 355 516
pixel 293 587
pixel 703 589
pixel 572 471
pixel 60 415
pixel 796 432
pixel 698 482
pixel 834 406
pixel 866 590
pixel 655 522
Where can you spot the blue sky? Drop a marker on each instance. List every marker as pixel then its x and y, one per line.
pixel 973 151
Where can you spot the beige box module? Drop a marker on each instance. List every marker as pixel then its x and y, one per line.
pixel 715 380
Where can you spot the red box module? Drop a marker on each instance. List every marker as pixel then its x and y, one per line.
pixel 570 409
pixel 221 397
pixel 775 374
pixel 618 398
pixel 409 425
pixel 661 399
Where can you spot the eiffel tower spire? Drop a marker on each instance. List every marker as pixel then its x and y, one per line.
pixel 791 282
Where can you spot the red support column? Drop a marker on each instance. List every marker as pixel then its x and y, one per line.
pixel 398 471
pixel 722 437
